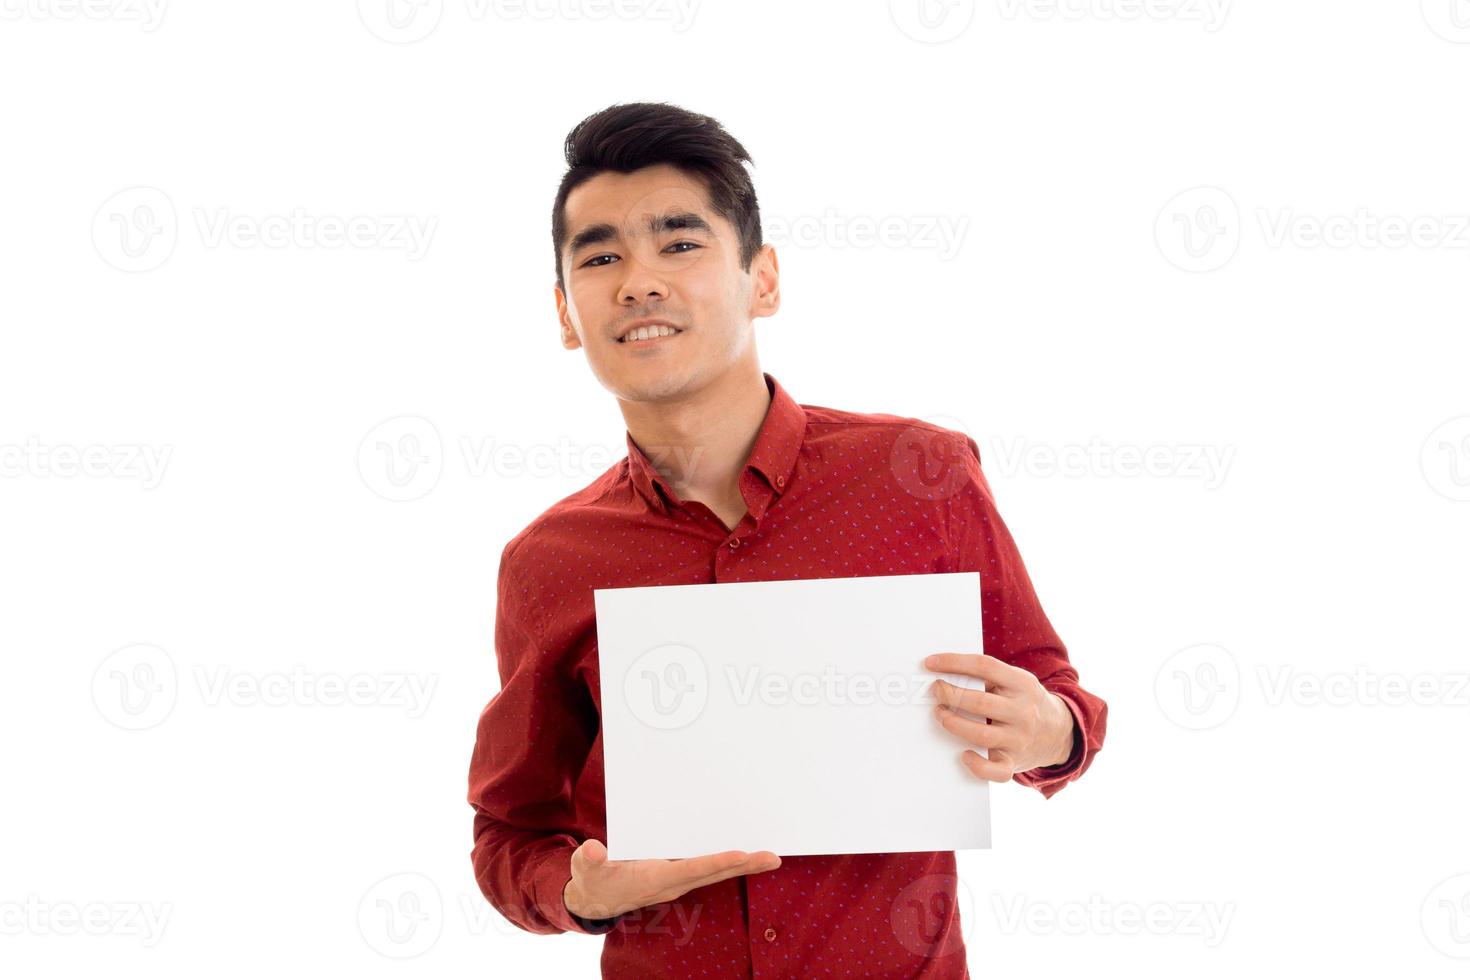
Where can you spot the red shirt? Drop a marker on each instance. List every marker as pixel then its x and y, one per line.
pixel 830 494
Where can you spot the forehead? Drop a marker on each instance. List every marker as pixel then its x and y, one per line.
pixel 627 201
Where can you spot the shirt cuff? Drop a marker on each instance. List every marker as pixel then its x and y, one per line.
pixel 1049 779
pixel 551 883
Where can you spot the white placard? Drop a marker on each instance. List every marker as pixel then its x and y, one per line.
pixel 792 717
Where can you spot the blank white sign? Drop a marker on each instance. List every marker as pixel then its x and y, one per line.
pixel 792 717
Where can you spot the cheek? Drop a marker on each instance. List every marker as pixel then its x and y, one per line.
pixel 583 310
pixel 577 301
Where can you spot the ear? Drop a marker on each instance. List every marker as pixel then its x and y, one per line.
pixel 765 297
pixel 569 338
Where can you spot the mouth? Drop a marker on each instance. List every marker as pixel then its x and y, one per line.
pixel 650 335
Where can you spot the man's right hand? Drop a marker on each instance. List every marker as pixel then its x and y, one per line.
pixel 601 889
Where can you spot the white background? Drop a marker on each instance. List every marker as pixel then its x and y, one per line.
pixel 1098 303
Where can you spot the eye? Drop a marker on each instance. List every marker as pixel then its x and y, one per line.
pixel 596 260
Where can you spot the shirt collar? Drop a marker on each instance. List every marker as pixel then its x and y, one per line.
pixel 773 455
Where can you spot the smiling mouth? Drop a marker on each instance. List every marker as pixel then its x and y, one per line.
pixel 644 336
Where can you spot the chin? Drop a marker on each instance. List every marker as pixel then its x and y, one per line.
pixel 656 383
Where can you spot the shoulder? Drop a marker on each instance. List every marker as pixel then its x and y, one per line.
pixel 547 530
pixel 886 432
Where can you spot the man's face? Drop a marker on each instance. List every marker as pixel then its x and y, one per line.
pixel 646 245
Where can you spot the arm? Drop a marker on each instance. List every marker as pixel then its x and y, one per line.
pixel 1016 628
pixel 532 740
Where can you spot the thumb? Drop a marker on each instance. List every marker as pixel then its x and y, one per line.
pixel 591 852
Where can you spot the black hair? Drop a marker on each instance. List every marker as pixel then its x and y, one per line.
pixel 630 136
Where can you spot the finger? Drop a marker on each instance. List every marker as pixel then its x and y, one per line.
pixel 974 732
pixel 996 769
pixel 748 868
pixel 686 874
pixel 994 672
pixel 982 703
pixel 712 866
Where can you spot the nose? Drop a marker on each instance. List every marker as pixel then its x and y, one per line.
pixel 641 282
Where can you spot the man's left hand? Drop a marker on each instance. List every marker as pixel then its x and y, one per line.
pixel 1026 725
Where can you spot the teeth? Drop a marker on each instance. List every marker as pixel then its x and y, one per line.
pixel 643 333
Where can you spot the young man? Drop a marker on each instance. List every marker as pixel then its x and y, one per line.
pixel 660 271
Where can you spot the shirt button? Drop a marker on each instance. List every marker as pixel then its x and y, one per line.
pixel 734 542
pixel 780 481
pixel 770 935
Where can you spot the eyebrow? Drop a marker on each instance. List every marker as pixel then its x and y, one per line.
pixel 673 221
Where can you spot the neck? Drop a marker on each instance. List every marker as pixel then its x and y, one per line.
pixel 700 441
